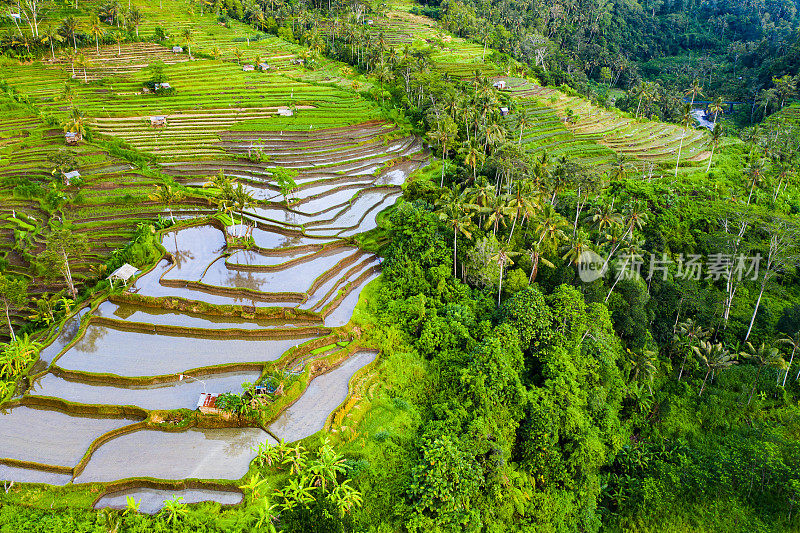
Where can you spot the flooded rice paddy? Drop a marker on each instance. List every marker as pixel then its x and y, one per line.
pixel 300 272
pixel 324 394
pixel 151 501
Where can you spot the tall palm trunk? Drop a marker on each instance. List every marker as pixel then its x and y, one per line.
pixel 791 359
pixel 680 148
pixel 14 337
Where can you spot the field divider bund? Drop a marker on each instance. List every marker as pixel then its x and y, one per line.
pixel 231 333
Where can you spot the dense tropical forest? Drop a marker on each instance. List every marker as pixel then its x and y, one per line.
pixel 454 266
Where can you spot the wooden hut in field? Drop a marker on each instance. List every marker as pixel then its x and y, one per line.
pixel 207 404
pixel 248 68
pixel 500 84
pixel 177 49
pixel 263 67
pixel 158 121
pixel 285 112
pixel 72 138
pixel 123 274
pixel 504 111
pixel 68 177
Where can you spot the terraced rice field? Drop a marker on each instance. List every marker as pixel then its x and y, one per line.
pixel 596 137
pixel 213 309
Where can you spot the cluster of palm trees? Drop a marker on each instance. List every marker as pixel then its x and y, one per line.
pixel 714 357
pixel 309 478
pixel 232 197
pixel 521 214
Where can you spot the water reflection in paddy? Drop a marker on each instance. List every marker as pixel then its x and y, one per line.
pixel 65 335
pixel 173 395
pixel 50 437
pixel 194 453
pixel 157 315
pixel 127 353
pixel 152 500
pixel 324 394
pixel 29 475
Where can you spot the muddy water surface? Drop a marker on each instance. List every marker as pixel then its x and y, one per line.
pixel 152 501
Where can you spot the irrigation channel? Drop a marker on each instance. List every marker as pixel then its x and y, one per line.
pixel 208 317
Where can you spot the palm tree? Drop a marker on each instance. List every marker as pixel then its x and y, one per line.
pixel 688 334
pixel 686 119
pixel 444 134
pixel 498 212
pixel 503 256
pixel 238 55
pixel 716 137
pixel 695 89
pixel 550 231
pixel 717 107
pixel 523 121
pixel 642 366
pixel 714 357
pixel 118 38
pixel 134 18
pixel 454 212
pixel 473 156
pixel 83 63
pixel 763 356
pixel 794 342
pixel 187 35
pixel 168 196
pixel 50 35
pixel 70 26
pixel 96 30
pixel 76 122
pixel 523 203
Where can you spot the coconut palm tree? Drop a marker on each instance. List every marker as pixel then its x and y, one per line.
pixel 523 121
pixel 51 36
pixel 548 231
pixel 763 356
pixel 716 137
pixel 76 122
pixel 503 256
pixel 444 134
pixel 167 195
pixel 454 211
pixel 717 107
pixel 687 335
pixel 695 89
pixel 188 36
pixel 97 31
pixel 473 157
pixel 83 63
pixel 118 38
pixel 134 19
pixel 686 119
pixel 69 26
pixel 238 55
pixel 794 342
pixel 714 357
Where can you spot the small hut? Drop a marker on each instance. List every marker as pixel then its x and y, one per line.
pixel 207 403
pixel 158 122
pixel 499 84
pixel 69 176
pixel 263 67
pixel 504 111
pixel 72 138
pixel 161 86
pixel 177 49
pixel 285 112
pixel 296 61
pixel 123 274
pixel 248 68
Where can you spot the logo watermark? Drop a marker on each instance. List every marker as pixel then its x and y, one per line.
pixel 592 266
